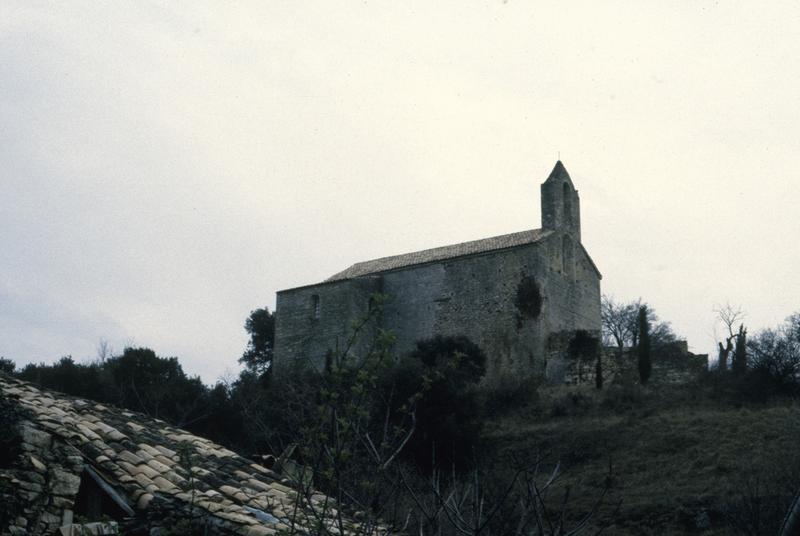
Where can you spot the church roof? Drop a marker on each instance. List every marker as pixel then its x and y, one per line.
pixel 138 457
pixel 473 247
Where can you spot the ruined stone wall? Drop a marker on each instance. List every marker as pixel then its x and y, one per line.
pixel 672 364
pixel 471 295
pixel 39 486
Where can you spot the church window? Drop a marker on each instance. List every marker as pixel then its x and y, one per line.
pixel 567 204
pixel 315 306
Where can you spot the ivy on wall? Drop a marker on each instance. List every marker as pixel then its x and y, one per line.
pixel 528 300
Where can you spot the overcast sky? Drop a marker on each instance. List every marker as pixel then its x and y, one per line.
pixel 166 167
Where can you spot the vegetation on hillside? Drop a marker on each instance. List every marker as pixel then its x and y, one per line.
pixel 419 445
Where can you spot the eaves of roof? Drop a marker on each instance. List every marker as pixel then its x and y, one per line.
pixel 419 258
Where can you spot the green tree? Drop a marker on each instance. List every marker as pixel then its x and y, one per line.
pixel 643 348
pixel 7 365
pixel 157 386
pixel 260 325
pixel 442 373
pixel 140 380
pixel 67 376
pixel 774 358
pixel 739 363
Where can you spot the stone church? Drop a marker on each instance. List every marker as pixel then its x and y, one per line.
pixel 522 297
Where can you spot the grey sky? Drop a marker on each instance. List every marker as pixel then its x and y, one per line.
pixel 166 167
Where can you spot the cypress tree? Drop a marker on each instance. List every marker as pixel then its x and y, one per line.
pixel 643 350
pixel 739 363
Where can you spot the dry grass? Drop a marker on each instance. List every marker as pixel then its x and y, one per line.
pixel 683 462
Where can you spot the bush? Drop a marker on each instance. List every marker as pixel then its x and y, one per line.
pixel 7 366
pixel 458 360
pixel 571 403
pixel 439 381
pixel 509 394
pixel 622 397
pixel 774 359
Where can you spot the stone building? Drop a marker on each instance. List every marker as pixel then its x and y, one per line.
pixel 521 297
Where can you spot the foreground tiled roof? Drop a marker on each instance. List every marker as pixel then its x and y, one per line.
pixel 138 456
pixel 386 264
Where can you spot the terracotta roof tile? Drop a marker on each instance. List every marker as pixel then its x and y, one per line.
pixel 142 463
pixel 473 247
pixel 165 451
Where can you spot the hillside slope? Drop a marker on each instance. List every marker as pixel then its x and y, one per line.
pixel 680 462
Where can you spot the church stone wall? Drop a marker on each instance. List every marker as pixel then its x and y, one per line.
pixel 472 295
pixel 318 318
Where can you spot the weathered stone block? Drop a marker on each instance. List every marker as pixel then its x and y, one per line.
pixel 32 476
pixel 62 502
pixel 35 438
pixel 38 465
pixel 49 518
pixel 64 483
pixel 31 486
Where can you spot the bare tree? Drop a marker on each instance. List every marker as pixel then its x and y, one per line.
pixel 526 503
pixel 104 350
pixel 620 324
pixel 728 316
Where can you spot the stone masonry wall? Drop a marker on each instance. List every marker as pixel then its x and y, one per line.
pixel 672 364
pixel 472 296
pixel 475 296
pixel 302 334
pixel 41 483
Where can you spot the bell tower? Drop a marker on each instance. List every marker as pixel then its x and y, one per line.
pixel 561 206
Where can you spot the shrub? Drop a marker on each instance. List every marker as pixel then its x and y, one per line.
pixel 573 402
pixel 508 394
pixel 439 379
pixel 622 397
pixel 459 360
pixel 7 366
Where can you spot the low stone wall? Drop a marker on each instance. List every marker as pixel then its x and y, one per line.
pixel 672 364
pixel 39 487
